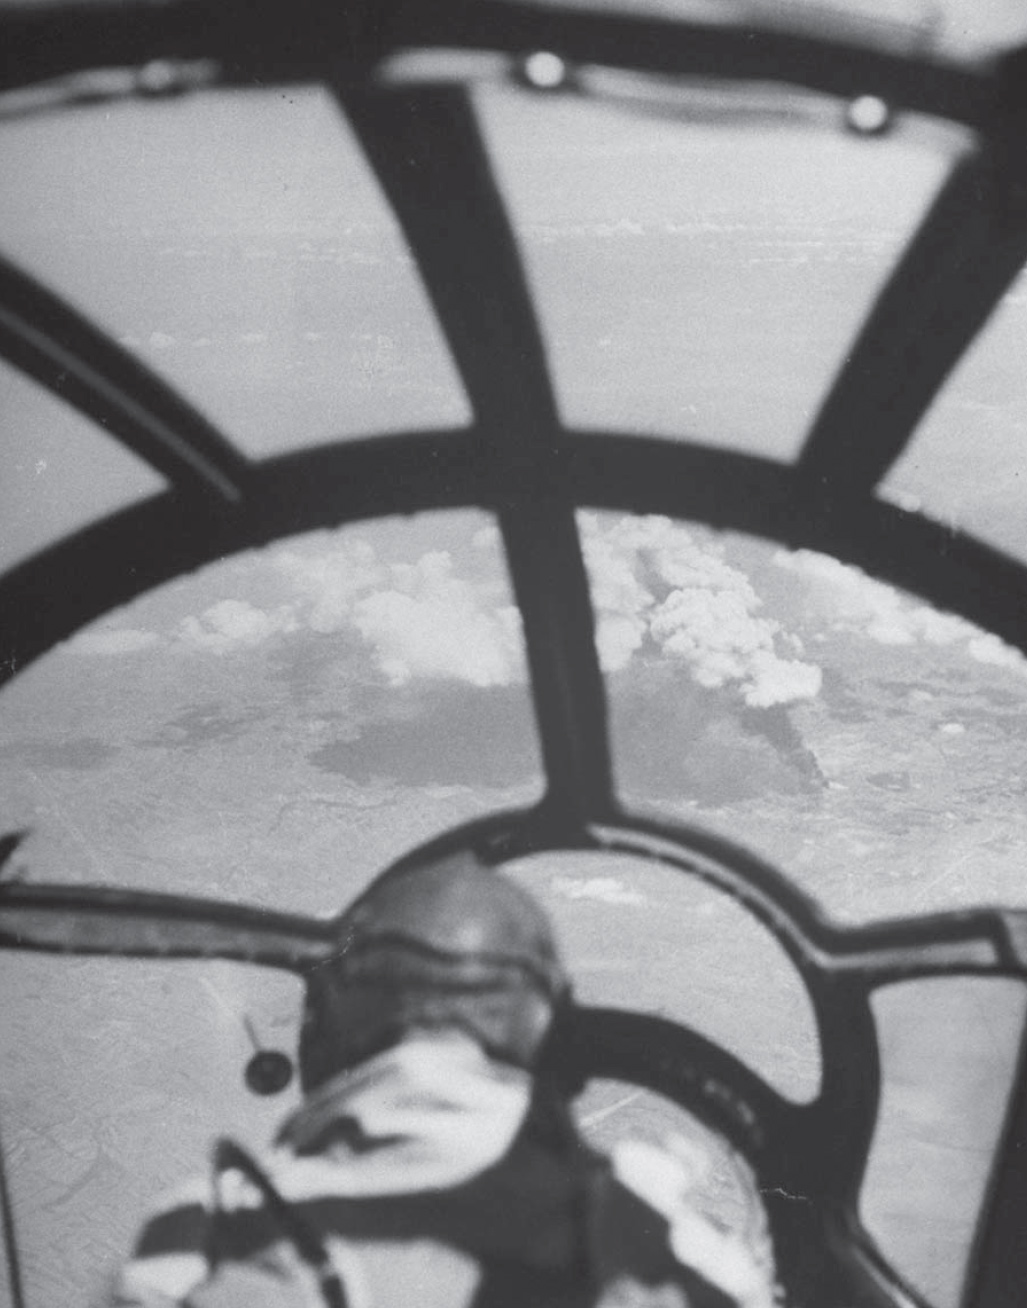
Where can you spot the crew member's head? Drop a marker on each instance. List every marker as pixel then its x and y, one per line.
pixel 449 946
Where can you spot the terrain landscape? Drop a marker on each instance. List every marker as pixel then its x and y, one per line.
pixel 280 726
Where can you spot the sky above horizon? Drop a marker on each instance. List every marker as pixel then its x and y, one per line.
pixel 250 260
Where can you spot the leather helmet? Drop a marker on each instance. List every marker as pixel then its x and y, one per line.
pixel 453 944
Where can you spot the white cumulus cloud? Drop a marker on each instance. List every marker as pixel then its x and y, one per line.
pixel 418 619
pixel 657 588
pixel 233 624
pixel 331 581
pixel 853 601
pixel 621 599
pixel 430 623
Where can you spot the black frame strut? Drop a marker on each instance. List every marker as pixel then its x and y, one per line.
pixel 968 250
pixel 425 147
pixel 52 342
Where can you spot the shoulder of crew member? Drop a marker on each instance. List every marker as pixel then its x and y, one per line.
pixel 735 1260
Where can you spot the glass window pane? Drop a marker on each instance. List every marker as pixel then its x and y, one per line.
pixel 58 470
pixel 949 1049
pixel 697 276
pixel 238 242
pixel 280 725
pixel 979 415
pixel 118 1077
pixel 648 938
pixel 869 744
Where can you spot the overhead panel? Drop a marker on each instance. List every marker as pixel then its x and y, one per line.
pixel 703 261
pixel 238 243
pixel 950 28
pixel 58 470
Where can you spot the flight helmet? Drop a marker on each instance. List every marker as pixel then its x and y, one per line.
pixel 448 945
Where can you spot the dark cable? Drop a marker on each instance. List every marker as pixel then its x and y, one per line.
pixel 229 1156
pixel 10 1238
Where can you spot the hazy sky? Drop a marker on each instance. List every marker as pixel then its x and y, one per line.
pixel 239 244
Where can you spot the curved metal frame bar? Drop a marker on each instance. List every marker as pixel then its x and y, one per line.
pixel 273 41
pixel 424 471
pixel 79 363
pixel 809 1172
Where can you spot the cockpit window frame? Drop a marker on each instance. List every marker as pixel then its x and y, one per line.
pixel 516 458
